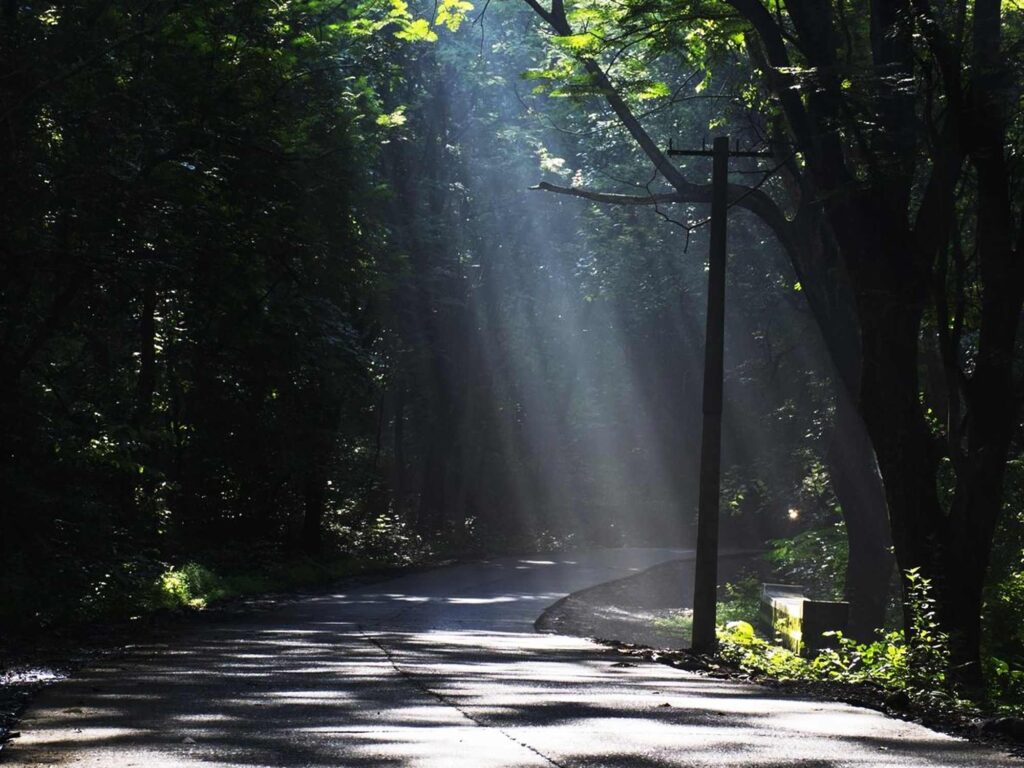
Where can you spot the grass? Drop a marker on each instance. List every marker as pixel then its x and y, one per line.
pixel 738 602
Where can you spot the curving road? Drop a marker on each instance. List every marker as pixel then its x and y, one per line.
pixel 443 669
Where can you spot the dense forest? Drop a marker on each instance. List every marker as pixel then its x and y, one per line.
pixel 292 286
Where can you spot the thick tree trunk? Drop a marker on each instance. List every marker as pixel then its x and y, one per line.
pixel 858 487
pixel 978 500
pixel 890 304
pixel 852 465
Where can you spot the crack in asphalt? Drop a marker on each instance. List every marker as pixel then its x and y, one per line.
pixel 413 679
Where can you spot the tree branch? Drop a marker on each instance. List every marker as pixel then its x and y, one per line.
pixel 610 197
pixel 749 198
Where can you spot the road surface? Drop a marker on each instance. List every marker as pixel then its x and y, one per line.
pixel 442 669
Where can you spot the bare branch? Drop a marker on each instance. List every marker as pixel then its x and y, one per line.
pixel 610 197
pixel 752 199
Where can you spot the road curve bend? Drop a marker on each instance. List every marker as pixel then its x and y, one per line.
pixel 442 669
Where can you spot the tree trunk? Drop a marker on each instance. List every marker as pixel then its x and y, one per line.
pixel 858 487
pixel 851 460
pixel 890 303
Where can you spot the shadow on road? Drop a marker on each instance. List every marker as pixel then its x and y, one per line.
pixel 397 677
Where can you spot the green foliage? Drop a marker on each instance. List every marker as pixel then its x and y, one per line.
pixel 928 649
pixel 918 667
pixel 191 252
pixel 195 585
pixel 740 600
pixel 386 538
pixel 192 586
pixel 1003 615
pixel 738 603
pixel 739 645
pixel 815 558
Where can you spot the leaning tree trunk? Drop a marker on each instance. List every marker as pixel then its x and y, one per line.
pixel 858 487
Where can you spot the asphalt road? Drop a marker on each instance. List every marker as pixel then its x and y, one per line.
pixel 442 669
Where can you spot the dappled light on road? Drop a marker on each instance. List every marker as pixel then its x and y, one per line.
pixel 444 669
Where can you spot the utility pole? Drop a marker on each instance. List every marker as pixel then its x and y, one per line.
pixel 706 580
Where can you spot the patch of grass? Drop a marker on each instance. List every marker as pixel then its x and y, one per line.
pixel 679 623
pixel 739 602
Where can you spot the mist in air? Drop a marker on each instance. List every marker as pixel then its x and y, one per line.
pixel 579 339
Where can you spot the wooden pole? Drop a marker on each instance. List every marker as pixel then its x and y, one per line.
pixel 706 581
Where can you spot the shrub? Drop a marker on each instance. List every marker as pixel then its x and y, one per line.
pixel 193 586
pixel 815 558
pixel 918 667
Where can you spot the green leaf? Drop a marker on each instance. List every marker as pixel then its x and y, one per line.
pixel 451 13
pixel 585 41
pixel 417 30
pixel 395 119
pixel 656 90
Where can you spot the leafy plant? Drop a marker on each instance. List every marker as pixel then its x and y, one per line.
pixel 918 667
pixel 815 558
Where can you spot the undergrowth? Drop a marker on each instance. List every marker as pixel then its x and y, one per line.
pixel 195 585
pixel 915 669
pixel 142 586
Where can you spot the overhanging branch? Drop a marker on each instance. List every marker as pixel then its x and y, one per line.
pixel 749 198
pixel 610 197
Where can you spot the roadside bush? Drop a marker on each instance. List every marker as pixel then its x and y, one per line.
pixel 1003 614
pixel 815 558
pixel 917 668
pixel 193 586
